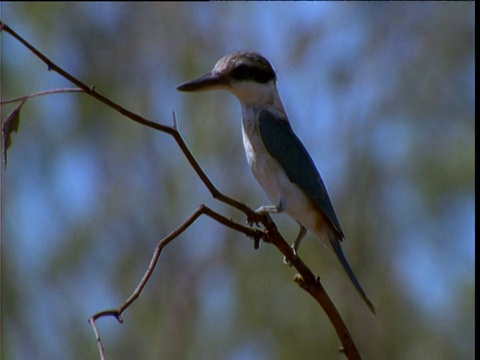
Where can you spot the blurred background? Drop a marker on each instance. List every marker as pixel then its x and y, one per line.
pixel 382 95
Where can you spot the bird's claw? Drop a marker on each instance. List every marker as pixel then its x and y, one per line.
pixel 258 216
pixel 252 220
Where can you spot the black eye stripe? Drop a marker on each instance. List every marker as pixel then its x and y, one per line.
pixel 241 72
pixel 245 72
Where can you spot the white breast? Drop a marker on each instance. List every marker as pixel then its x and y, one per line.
pixel 264 167
pixel 273 179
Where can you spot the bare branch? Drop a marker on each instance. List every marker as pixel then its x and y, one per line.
pixel 101 349
pixel 137 118
pixel 311 284
pixel 41 93
pixel 202 210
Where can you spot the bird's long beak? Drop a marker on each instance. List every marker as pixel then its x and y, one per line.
pixel 208 81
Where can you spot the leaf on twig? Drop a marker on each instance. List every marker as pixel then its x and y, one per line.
pixel 9 126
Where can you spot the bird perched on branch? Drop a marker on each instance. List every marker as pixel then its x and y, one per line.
pixel 277 157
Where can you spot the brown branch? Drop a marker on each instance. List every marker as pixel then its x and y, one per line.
pixel 311 284
pixel 306 280
pixel 137 118
pixel 41 93
pixel 202 210
pixel 101 349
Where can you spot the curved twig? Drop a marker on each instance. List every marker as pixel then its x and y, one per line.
pixel 202 210
pixel 41 93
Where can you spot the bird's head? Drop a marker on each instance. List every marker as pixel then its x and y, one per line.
pixel 247 75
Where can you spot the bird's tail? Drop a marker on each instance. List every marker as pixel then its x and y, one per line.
pixel 337 247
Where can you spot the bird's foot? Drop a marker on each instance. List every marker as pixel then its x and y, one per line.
pixel 255 218
pixel 261 215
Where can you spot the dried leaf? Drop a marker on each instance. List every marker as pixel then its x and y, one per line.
pixel 10 125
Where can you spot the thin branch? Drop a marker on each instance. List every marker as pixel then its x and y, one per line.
pixel 311 284
pixel 202 210
pixel 137 118
pixel 41 93
pixel 306 279
pixel 101 349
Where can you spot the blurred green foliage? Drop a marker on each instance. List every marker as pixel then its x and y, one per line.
pixel 381 94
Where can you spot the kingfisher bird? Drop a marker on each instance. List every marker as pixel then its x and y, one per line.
pixel 277 157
